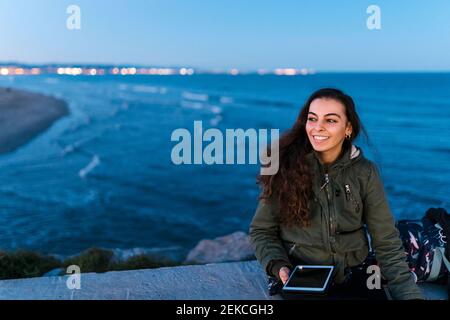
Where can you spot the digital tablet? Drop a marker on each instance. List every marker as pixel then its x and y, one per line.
pixel 309 279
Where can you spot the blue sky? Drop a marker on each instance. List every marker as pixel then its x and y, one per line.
pixel 223 34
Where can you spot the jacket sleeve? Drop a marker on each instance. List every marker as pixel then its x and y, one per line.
pixel 386 241
pixel 265 239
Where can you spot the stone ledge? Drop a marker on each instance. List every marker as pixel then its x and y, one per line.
pixel 227 281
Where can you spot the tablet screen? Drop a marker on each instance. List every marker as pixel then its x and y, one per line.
pixel 309 278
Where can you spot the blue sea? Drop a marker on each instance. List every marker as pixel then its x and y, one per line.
pixel 103 176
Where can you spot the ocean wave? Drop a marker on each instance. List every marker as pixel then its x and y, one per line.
pixel 95 161
pixel 216 109
pixel 215 121
pixel 192 105
pixel 226 100
pixel 27 198
pixel 195 96
pixel 69 149
pixel 263 102
pixel 76 145
pixel 376 101
pixel 90 197
pixel 146 89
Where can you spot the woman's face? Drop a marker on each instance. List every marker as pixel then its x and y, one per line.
pixel 327 125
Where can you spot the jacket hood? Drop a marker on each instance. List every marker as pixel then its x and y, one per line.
pixel 348 157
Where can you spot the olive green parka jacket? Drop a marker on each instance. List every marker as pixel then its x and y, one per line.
pixel 347 200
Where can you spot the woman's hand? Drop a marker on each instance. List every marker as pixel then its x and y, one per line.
pixel 284 274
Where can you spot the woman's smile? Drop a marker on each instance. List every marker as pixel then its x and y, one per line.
pixel 320 138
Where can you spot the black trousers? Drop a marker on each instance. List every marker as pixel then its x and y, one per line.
pixel 354 288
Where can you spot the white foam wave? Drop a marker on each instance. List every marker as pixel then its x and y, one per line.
pixel 146 89
pixel 69 149
pixel 192 105
pixel 95 161
pixel 75 146
pixel 216 110
pixel 226 100
pixel 195 96
pixel 215 121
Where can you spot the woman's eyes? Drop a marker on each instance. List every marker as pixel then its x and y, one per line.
pixel 328 120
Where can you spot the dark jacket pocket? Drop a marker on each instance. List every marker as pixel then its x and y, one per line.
pixel 351 197
pixel 350 209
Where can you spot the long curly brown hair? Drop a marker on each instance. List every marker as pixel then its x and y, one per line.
pixel 292 184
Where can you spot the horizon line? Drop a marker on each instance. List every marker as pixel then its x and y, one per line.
pixel 306 70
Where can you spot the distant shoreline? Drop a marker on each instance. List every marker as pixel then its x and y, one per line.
pixel 25 115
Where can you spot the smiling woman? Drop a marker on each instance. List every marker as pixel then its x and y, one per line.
pixel 304 218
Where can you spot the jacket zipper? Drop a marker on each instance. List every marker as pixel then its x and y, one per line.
pixel 330 214
pixel 292 249
pixel 349 197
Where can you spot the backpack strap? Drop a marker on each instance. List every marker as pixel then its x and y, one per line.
pixel 438 258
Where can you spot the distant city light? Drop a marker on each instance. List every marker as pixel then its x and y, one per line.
pixel 304 71
pixel 8 70
pixel 285 72
pixel 186 72
pixel 293 72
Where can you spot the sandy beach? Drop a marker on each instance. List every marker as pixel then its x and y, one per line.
pixel 24 115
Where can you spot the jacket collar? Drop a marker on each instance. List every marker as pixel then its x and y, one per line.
pixel 347 157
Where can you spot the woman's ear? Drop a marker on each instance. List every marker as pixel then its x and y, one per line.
pixel 348 128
